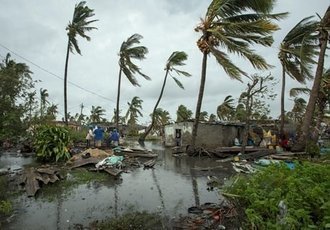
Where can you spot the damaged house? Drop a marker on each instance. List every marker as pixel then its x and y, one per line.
pixel 210 134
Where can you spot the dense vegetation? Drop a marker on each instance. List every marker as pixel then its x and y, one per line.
pixel 51 143
pixel 281 198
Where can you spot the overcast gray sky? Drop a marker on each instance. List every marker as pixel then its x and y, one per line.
pixel 35 31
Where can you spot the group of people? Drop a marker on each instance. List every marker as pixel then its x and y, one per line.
pixel 97 135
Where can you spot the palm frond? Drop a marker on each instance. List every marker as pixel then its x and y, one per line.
pixel 180 72
pixel 292 69
pixel 294 92
pixel 137 52
pixel 130 76
pixel 178 83
pixel 229 67
pixel 227 8
pixel 177 58
pixel 134 39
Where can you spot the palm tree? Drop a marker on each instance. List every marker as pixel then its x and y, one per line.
pixel 96 114
pixel 323 30
pixel 177 58
pixel 183 114
pixel 52 111
pixel 226 110
pixel 133 112
pixel 323 97
pixel 81 117
pixel 31 103
pixel 161 117
pixel 204 116
pixel 234 25
pixel 79 25
pixel 240 111
pixel 43 101
pixel 298 110
pixel 212 117
pixel 127 52
pixel 297 51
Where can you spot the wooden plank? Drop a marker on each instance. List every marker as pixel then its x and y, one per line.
pixel 113 171
pixel 149 163
pixel 135 154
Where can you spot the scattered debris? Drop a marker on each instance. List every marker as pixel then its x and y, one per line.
pixel 112 161
pixel 243 167
pixel 149 163
pixel 32 177
pixel 207 216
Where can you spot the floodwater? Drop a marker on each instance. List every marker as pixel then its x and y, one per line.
pixel 174 185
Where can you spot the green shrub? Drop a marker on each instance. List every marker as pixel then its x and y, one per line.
pixel 5 207
pixel 78 135
pixel 304 191
pixel 313 149
pixel 51 143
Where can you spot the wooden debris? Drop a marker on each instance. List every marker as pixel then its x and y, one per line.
pixel 82 161
pixel 111 170
pixel 32 177
pixel 149 163
pixel 138 154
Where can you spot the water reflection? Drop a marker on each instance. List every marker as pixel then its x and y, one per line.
pixel 174 185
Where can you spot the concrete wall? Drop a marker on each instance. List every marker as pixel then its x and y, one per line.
pixel 208 136
pixel 186 131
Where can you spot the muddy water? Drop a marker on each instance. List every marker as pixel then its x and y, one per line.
pixel 174 185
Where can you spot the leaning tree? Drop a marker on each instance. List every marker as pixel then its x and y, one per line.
pixel 234 25
pixel 176 59
pixel 79 26
pixel 127 52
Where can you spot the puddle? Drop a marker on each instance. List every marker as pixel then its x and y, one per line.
pixel 13 161
pixel 170 189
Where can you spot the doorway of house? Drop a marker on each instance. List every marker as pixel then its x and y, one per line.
pixel 178 139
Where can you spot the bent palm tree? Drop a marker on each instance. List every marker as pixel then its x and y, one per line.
pixel 127 52
pixel 323 30
pixel 43 101
pixel 234 25
pixel 226 109
pixel 177 58
pixel 79 25
pixel 162 117
pixel 297 53
pixel 96 114
pixel 183 114
pixel 133 111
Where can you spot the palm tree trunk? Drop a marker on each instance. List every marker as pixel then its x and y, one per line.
pixel 200 99
pixel 306 131
pixel 145 134
pixel 282 102
pixel 65 84
pixel 118 98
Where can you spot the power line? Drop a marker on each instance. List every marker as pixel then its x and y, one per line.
pixel 55 75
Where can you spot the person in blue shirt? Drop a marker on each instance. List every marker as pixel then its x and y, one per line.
pixel 98 136
pixel 114 138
